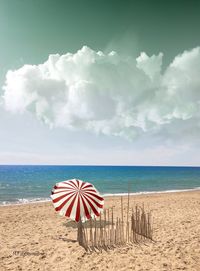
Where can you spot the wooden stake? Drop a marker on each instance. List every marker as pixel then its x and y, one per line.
pixel 108 227
pixel 100 227
pixel 91 235
pixel 95 232
pixel 127 232
pixel 117 231
pixel 86 234
pixel 105 234
pixel 112 232
pixel 122 214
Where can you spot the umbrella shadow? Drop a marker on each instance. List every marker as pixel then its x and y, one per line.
pixel 87 224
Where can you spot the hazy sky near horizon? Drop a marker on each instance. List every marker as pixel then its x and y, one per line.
pixel 100 82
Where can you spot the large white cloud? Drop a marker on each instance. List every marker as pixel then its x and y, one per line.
pixel 109 94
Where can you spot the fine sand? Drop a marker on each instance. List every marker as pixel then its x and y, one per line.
pixel 35 237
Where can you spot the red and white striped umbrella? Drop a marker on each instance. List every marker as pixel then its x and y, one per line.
pixel 77 199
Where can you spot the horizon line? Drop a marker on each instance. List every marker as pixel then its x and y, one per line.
pixel 96 165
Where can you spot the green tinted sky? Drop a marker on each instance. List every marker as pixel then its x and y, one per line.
pixel 32 29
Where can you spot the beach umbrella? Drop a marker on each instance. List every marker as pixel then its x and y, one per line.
pixel 77 200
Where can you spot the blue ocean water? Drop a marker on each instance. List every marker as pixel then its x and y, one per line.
pixel 19 184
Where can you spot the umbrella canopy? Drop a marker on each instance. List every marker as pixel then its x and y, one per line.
pixel 77 199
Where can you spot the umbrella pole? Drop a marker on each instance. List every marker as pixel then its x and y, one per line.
pixel 80 233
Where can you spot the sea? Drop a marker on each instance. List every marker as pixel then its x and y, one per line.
pixel 25 184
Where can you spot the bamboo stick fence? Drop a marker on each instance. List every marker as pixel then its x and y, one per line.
pixel 109 231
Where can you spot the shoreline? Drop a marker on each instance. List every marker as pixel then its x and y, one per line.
pixel 107 195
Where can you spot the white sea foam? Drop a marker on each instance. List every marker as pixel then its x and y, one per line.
pixel 40 200
pixel 24 201
pixel 151 192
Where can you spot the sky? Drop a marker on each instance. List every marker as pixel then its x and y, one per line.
pixel 100 82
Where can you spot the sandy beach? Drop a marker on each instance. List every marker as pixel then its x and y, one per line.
pixel 35 237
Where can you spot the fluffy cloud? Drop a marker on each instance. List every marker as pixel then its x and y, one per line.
pixel 109 94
